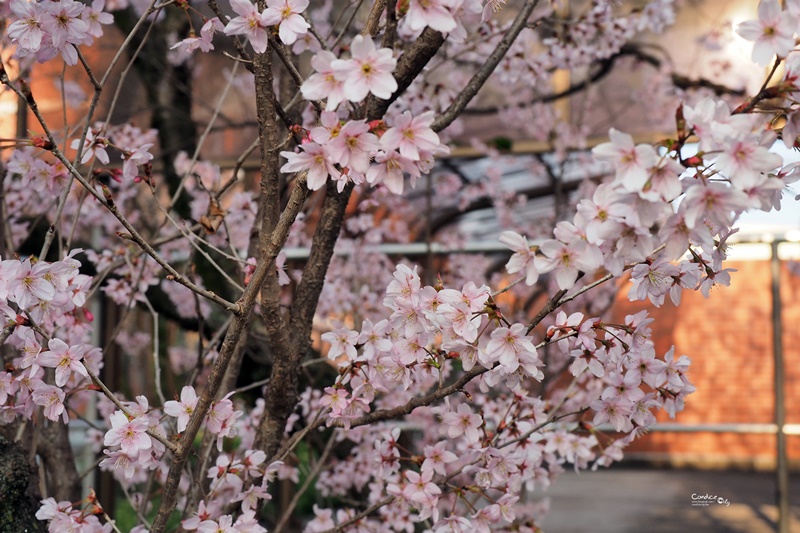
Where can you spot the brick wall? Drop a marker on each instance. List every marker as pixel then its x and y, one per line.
pixel 729 339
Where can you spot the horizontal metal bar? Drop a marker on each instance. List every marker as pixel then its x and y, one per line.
pixel 472 247
pixel 768 429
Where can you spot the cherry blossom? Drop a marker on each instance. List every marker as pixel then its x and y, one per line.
pixel 65 359
pixel 251 23
pixel 342 342
pixel 204 42
pixel 772 32
pixel 27 30
pixel 523 257
pixel 314 159
pixel 508 345
pixel 129 435
pixel 431 13
pixel 95 18
pixel 632 162
pixel 567 260
pixel 52 399
pixel 323 84
pixel 287 14
pixel 369 70
pixel 411 135
pixel 182 409
pixel 400 336
pixel 462 422
pixel 139 156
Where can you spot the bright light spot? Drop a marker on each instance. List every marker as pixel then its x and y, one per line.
pixel 8 108
pixel 792 235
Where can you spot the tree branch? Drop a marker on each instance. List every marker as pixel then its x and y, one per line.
pixel 483 73
pixel 232 336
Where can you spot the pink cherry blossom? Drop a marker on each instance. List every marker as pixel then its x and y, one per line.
pixel 645 367
pixel 183 409
pixel 65 359
pixel 746 164
pixel 52 399
pixel 205 42
pixel 287 14
pixel 652 281
pixel 139 156
pixel 129 435
pixel 92 147
pixel 27 30
pixel 431 13
pixel 250 23
pixel 8 386
pixel 773 32
pixel 522 260
pixel 437 457
pixel 390 170
pixel 95 17
pixel 353 145
pixel 118 460
pixel 463 422
pixel 28 283
pixel 323 84
pixel 343 342
pixel 369 70
pixel 221 420
pixel 508 345
pixel 567 260
pixel 372 340
pixel 420 489
pixel 411 135
pixel 632 162
pixel 615 410
pixel 714 201
pixel 63 23
pixel 314 159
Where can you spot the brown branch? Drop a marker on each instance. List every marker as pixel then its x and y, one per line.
pixel 281 396
pixel 374 18
pixel 551 305
pixel 271 313
pixel 483 73
pixel 232 336
pixel 605 67
pixel 366 512
pixel 421 401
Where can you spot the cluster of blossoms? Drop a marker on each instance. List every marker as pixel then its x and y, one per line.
pixel 492 443
pixel 46 29
pixel 51 295
pixel 286 14
pixel 352 152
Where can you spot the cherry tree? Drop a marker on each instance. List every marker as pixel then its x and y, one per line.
pixel 436 403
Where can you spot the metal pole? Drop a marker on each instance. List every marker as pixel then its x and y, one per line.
pixel 782 470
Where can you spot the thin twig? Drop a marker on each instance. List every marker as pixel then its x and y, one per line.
pixel 156 350
pixel 486 70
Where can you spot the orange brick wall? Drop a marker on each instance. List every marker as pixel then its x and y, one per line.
pixel 729 339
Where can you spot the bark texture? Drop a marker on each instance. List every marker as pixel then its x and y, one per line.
pixel 18 504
